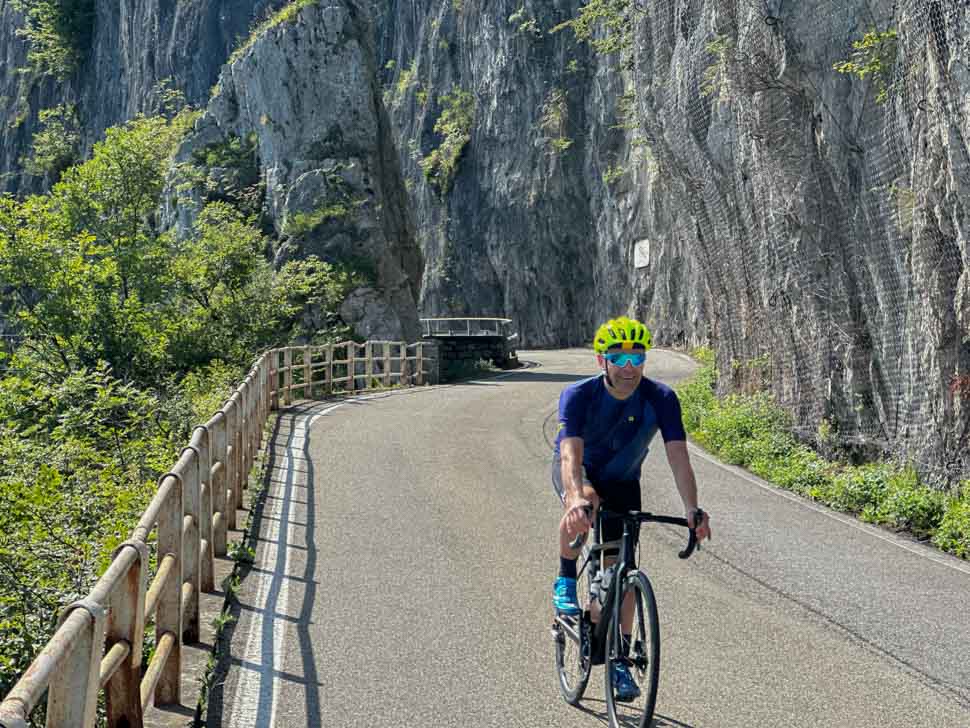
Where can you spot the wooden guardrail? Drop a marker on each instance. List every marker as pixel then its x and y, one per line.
pixel 98 645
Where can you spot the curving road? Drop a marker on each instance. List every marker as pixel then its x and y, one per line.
pixel 408 545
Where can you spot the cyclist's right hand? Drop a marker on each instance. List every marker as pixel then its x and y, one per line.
pixel 579 512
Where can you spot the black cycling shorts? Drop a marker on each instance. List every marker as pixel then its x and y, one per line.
pixel 614 496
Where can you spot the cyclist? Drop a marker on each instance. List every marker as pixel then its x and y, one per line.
pixel 606 424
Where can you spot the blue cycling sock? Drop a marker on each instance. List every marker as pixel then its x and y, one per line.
pixel 567 567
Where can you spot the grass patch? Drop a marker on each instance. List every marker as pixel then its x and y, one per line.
pixel 754 432
pixel 286 14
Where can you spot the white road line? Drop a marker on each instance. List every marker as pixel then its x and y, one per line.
pixel 848 521
pixel 257 687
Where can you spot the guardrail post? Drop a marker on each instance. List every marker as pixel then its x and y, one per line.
pixel 368 364
pixel 73 699
pixel 307 373
pixel 201 441
pixel 287 375
pixel 405 369
pixel 274 379
pixel 419 364
pixel 387 363
pixel 351 366
pixel 220 469
pixel 190 475
pixel 232 457
pixel 168 617
pixel 126 623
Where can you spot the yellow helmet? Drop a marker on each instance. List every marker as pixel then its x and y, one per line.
pixel 623 332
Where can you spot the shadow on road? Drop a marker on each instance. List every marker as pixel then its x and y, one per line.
pixel 597 709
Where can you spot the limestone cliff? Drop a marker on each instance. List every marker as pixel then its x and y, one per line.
pixel 716 176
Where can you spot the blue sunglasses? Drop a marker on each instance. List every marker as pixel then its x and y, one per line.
pixel 622 358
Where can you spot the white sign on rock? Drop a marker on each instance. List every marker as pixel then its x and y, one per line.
pixel 641 254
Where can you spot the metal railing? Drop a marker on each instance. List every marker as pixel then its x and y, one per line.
pixel 466 327
pixel 98 644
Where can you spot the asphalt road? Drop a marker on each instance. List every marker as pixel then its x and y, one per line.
pixel 407 551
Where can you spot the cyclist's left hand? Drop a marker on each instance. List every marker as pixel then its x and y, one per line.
pixel 703 529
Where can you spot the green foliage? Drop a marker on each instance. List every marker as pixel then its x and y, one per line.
pixel 524 22
pixel 406 80
pixel 129 336
pixel 613 173
pixel 303 222
pixel 909 505
pixel 607 25
pixel 752 431
pixel 953 534
pixel 715 81
pixel 235 152
pixel 872 57
pixel 78 461
pixel 455 126
pixel 59 33
pixel 287 14
pixel 554 120
pixel 55 146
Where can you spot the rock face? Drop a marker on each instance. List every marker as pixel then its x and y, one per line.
pixel 718 178
pixel 304 95
pixel 724 183
pixel 137 51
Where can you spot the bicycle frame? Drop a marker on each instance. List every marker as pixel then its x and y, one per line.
pixel 610 611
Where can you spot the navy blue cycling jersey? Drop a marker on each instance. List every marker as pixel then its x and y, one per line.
pixel 617 433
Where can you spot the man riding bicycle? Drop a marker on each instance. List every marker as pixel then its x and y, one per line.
pixel 606 424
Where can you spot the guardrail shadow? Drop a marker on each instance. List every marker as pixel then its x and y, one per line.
pixel 257 655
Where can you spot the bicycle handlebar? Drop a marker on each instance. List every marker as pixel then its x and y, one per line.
pixel 645 517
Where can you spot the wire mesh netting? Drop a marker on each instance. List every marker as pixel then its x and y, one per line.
pixel 820 157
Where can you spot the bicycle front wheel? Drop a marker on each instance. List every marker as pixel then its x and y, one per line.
pixel 572 636
pixel 629 708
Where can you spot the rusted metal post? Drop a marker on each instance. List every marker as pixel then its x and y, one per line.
pixel 274 379
pixel 307 373
pixel 168 617
pixel 201 442
pixel 219 426
pixel 368 364
pixel 188 469
pixel 232 458
pixel 72 699
pixel 287 376
pixel 351 366
pixel 126 624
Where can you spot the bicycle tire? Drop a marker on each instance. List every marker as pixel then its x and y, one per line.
pixel 573 661
pixel 643 660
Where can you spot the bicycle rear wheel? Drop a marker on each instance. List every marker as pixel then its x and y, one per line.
pixel 643 659
pixel 572 637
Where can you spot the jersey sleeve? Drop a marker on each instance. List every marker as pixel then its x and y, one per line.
pixel 669 418
pixel 572 413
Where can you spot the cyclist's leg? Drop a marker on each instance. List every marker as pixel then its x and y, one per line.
pixel 565 599
pixel 620 497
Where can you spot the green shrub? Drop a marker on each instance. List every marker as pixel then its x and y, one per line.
pixel 59 33
pixel 953 533
pixel 455 126
pixel 856 488
pixel 909 504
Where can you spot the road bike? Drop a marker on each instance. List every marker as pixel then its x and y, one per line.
pixel 593 637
